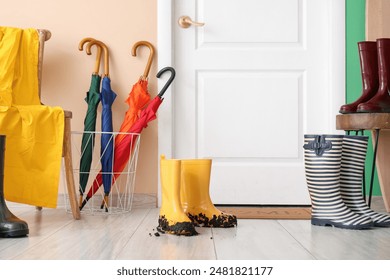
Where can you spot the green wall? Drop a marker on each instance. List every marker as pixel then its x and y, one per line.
pixel 355 32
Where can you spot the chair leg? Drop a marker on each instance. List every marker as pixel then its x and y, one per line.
pixel 67 153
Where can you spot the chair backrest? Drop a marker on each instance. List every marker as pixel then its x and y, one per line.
pixel 44 35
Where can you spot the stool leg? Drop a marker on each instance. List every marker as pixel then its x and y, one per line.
pixel 373 167
pixel 364 175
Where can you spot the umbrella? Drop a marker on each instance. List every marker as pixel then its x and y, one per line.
pixel 107 138
pixel 88 138
pixel 138 96
pixel 107 96
pixel 123 151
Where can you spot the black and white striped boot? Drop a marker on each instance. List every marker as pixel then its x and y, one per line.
pixel 322 167
pixel 352 168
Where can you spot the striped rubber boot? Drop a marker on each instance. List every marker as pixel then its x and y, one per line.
pixel 322 168
pixel 352 168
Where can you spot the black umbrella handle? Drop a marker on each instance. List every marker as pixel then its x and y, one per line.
pixel 173 74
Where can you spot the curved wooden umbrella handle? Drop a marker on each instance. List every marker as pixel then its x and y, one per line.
pixel 83 41
pixel 106 54
pixel 170 80
pixel 151 55
pixel 98 56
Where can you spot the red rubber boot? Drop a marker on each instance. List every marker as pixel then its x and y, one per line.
pixel 380 103
pixel 369 70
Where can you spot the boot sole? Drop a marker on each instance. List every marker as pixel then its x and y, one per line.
pixel 183 232
pixel 221 221
pixel 325 222
pixel 179 228
pixel 382 224
pixel 15 233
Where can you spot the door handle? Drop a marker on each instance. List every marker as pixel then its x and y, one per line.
pixel 186 21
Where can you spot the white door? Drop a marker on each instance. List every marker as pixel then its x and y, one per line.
pixel 249 84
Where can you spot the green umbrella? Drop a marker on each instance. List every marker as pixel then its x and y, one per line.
pixel 88 139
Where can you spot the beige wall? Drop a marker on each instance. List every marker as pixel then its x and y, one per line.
pixel 67 71
pixel 377 19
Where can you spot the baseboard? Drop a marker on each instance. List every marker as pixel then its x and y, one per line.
pixel 301 212
pixel 269 212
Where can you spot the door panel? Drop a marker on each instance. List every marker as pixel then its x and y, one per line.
pixel 223 130
pixel 248 22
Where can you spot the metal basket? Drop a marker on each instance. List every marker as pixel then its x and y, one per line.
pixel 120 198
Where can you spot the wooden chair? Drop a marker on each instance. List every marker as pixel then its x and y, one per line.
pixel 45 35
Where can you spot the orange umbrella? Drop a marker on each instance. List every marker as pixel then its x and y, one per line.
pixel 124 149
pixel 138 96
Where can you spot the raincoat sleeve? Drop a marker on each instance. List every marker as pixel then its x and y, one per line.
pixel 34 132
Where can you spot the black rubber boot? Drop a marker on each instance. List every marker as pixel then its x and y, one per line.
pixel 10 225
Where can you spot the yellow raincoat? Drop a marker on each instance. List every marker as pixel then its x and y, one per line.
pixel 34 132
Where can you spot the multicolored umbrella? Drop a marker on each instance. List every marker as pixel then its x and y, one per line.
pixel 88 138
pixel 123 150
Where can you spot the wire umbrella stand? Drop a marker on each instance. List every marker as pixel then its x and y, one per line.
pixel 122 189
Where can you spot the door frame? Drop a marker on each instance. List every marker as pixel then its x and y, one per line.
pixel 165 45
pixel 165 42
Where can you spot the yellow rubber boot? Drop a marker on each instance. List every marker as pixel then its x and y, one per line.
pixel 172 218
pixel 195 196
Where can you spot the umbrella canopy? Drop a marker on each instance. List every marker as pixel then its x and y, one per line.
pixel 137 100
pixel 88 138
pixel 123 151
